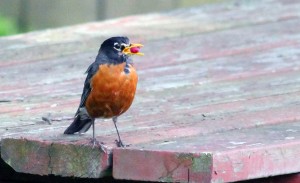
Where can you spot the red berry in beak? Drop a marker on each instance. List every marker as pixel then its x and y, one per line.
pixel 134 49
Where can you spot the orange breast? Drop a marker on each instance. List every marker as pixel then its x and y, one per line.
pixel 112 91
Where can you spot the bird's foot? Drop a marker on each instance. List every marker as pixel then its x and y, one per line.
pixel 120 143
pixel 94 142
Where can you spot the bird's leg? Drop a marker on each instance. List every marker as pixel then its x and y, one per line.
pixel 94 141
pixel 118 142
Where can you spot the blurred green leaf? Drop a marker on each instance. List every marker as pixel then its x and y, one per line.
pixel 7 26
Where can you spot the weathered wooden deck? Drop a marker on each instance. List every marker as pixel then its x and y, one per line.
pixel 218 97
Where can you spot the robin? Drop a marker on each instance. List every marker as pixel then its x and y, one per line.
pixel 109 87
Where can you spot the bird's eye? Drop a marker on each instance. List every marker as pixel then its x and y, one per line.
pixel 117 46
pixel 122 47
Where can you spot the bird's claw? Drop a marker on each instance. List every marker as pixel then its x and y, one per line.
pixel 99 144
pixel 94 142
pixel 120 143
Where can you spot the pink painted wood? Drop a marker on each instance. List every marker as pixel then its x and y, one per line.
pixel 217 100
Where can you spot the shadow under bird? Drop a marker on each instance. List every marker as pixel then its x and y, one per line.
pixel 109 87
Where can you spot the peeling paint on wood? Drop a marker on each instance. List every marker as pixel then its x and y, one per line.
pixel 217 100
pixel 162 166
pixel 53 158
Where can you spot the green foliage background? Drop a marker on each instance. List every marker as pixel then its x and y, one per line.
pixel 7 26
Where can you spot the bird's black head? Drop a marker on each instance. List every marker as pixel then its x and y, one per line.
pixel 117 50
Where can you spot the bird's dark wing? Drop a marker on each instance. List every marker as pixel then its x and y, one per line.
pixel 82 121
pixel 93 68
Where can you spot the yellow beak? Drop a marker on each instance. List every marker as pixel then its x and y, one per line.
pixel 133 49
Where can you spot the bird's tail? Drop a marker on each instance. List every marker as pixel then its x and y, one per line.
pixel 80 124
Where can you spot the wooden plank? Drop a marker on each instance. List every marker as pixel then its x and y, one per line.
pixel 203 90
pixel 227 156
pixel 47 158
pixel 210 18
